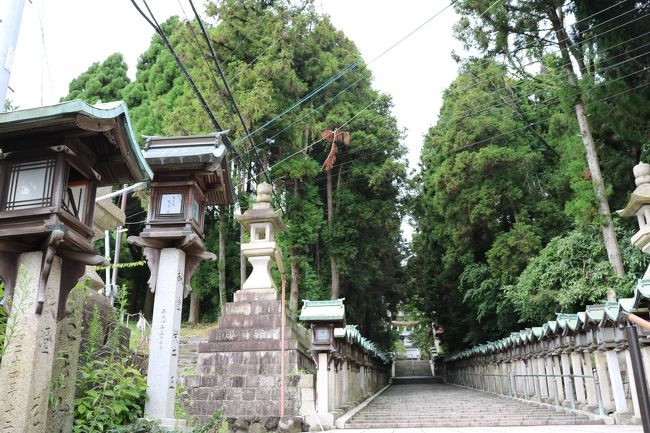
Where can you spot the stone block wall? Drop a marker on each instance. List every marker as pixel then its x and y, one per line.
pixel 238 368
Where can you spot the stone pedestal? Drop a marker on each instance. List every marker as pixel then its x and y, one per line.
pixel 238 369
pixel 26 368
pixel 165 335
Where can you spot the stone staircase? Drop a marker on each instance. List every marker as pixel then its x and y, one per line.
pixel 411 371
pixel 441 405
pixel 237 368
pixel 412 367
pixel 188 354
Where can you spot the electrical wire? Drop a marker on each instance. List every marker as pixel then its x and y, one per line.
pixel 320 139
pixel 479 142
pixel 490 105
pixel 206 61
pixel 351 67
pixel 154 23
pixel 487 62
pixel 225 82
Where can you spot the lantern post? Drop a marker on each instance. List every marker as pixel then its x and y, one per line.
pixel 191 173
pixel 51 162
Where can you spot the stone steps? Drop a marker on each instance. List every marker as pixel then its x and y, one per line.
pixel 188 354
pixel 412 380
pixel 442 405
pixel 404 368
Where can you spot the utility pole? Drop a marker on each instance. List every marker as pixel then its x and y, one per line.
pixel 11 14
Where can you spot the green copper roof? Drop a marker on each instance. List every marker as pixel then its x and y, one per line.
pixel 319 311
pixel 80 115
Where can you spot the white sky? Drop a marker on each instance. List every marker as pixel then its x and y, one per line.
pixel 60 39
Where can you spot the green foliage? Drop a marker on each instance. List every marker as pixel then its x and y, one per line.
pixel 101 82
pixel 570 272
pixel 110 390
pixel 109 394
pixel 273 54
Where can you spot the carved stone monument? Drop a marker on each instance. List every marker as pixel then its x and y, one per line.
pixel 51 162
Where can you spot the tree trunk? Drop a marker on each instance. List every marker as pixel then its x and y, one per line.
pixel 222 258
pixel 195 308
pixel 609 235
pixel 295 279
pixel 335 290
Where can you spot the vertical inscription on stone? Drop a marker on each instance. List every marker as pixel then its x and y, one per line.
pixel 161 330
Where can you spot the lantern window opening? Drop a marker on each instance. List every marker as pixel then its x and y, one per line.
pixel 646 214
pixel 75 193
pixel 31 184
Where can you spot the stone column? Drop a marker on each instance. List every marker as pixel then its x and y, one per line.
pixel 557 370
pixel 576 363
pixel 26 368
pixel 603 379
pixel 543 384
pixel 616 381
pixel 164 340
pixel 550 381
pixel 322 386
pixel 590 385
pixel 566 369
pixel 344 372
pixel 632 380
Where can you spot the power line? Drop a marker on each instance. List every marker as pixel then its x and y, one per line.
pixel 320 139
pixel 206 60
pixel 479 142
pixel 490 105
pixel 487 62
pixel 225 82
pixel 154 23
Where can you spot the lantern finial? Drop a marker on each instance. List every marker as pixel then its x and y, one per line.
pixel 263 199
pixel 641 173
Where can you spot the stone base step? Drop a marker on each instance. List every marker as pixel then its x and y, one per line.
pixel 412 380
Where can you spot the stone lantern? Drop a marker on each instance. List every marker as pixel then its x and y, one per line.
pixel 190 173
pixel 52 159
pixel 639 206
pixel 261 221
pixel 323 317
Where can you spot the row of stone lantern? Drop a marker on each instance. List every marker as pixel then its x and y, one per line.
pixel 52 160
pixel 349 367
pixel 556 361
pixel 563 351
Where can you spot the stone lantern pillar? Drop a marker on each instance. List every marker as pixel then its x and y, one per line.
pixel 261 221
pixel 52 161
pixel 191 173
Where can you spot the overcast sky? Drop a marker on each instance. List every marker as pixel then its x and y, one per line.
pixel 60 39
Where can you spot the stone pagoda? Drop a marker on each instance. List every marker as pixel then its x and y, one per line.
pixel 238 369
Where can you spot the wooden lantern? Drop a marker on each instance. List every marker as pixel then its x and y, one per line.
pixel 52 159
pixel 191 173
